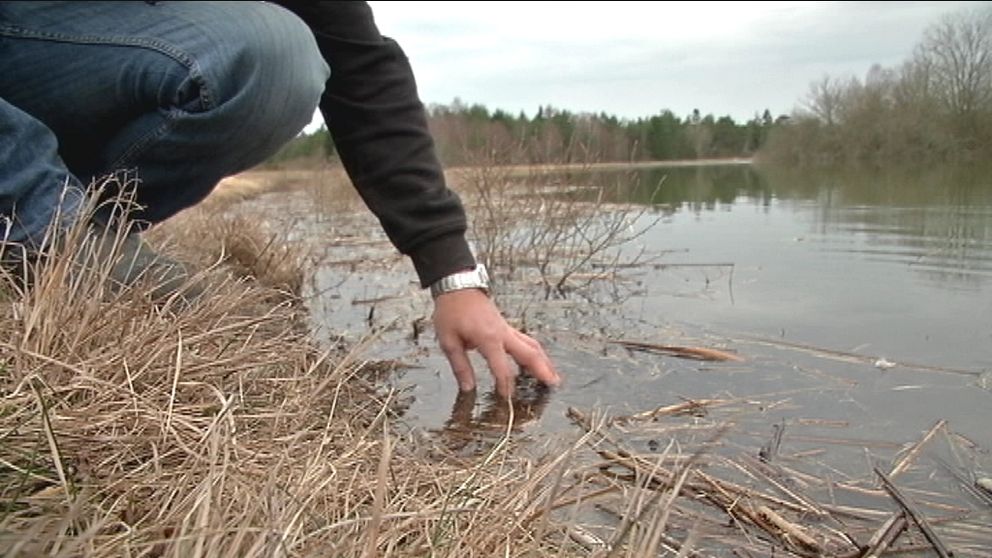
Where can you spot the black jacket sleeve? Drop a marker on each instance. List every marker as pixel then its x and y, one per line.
pixel 379 126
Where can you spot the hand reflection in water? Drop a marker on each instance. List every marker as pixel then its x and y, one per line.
pixel 466 431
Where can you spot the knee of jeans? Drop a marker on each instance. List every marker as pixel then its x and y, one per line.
pixel 275 76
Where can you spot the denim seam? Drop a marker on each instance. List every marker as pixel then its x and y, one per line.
pixel 161 47
pixel 146 140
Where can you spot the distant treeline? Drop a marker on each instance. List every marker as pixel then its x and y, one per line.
pixel 935 107
pixel 472 134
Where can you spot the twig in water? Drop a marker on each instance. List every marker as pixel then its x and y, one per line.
pixel 691 405
pixel 907 460
pixel 886 535
pixel 695 353
pixel 790 532
pixel 770 450
pixel 918 517
pixel 843 356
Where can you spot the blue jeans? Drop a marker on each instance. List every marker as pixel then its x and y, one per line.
pixel 182 93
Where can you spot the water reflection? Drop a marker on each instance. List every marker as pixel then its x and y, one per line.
pixel 886 266
pixel 468 431
pixel 938 220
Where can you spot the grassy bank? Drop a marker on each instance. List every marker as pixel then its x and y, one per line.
pixel 130 429
pixel 134 429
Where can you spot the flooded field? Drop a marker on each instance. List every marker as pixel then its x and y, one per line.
pixel 838 324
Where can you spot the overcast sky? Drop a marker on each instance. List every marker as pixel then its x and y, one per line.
pixel 636 58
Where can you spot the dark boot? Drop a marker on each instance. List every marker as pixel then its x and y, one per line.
pixel 127 260
pixel 123 259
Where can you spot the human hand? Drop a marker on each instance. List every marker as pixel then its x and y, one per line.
pixel 466 320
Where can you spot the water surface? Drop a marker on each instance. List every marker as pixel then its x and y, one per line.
pixel 861 300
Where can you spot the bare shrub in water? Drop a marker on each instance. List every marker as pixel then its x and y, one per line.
pixel 566 221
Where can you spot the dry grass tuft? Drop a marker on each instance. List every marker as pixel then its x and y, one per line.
pixel 251 249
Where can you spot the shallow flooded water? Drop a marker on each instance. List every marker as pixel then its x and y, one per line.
pixel 859 309
pixel 858 300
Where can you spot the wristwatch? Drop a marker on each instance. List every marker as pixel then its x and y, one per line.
pixel 476 278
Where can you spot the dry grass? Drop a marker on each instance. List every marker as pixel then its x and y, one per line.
pixel 328 187
pixel 134 429
pixel 246 247
pixel 244 240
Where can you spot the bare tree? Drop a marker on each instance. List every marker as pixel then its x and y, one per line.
pixel 958 52
pixel 825 99
pixel 937 106
pixel 914 87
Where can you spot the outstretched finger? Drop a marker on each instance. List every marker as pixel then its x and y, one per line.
pixel 461 366
pixel 531 356
pixel 502 373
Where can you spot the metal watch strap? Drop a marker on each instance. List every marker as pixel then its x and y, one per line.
pixel 477 278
